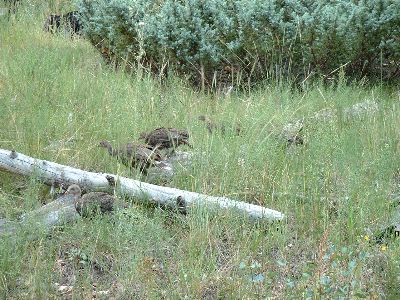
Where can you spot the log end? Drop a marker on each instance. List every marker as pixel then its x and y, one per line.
pixel 111 180
pixel 181 205
pixel 13 154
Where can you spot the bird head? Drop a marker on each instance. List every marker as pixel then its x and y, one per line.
pixel 202 118
pixel 104 144
pixel 74 190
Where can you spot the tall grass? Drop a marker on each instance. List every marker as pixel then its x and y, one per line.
pixel 334 189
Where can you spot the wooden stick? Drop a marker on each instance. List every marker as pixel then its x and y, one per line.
pixel 51 173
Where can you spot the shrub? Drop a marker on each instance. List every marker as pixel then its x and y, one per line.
pixel 255 38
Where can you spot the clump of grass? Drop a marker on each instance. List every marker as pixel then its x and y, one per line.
pixel 333 188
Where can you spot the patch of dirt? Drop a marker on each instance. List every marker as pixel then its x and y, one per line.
pixel 209 292
pixel 73 263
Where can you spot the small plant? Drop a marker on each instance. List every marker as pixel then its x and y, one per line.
pixel 78 256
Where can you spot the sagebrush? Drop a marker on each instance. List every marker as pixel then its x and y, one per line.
pixel 253 39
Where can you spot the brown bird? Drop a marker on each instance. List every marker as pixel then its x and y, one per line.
pixel 94 202
pixel 390 230
pixel 139 156
pixel 164 138
pixel 295 139
pixel 213 127
pixel 90 203
pixel 72 192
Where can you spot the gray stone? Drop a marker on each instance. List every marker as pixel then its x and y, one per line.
pixel 361 109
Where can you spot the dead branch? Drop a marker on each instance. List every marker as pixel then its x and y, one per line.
pixel 52 173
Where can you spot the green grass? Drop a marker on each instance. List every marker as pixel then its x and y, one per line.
pixel 334 189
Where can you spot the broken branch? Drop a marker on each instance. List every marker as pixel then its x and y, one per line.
pixel 50 173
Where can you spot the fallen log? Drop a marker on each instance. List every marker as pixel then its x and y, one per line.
pixel 65 209
pixel 53 214
pixel 53 173
pixel 7 226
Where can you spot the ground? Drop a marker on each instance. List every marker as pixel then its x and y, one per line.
pixel 59 99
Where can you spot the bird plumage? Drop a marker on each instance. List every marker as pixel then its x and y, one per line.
pixel 95 202
pixel 213 127
pixel 165 138
pixel 133 155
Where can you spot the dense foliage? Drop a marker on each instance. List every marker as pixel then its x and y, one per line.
pixel 277 37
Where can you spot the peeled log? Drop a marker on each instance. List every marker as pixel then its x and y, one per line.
pixel 52 214
pixel 50 173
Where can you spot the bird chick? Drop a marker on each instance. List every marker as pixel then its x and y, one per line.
pixel 164 138
pixel 223 128
pixel 132 155
pixel 95 202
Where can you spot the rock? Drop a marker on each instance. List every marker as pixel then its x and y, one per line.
pixel 292 133
pixel 389 231
pixel 166 169
pixel 325 115
pixel 7 227
pixel 358 110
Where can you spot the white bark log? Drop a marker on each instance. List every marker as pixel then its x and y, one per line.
pixel 48 216
pixel 50 172
pixel 52 214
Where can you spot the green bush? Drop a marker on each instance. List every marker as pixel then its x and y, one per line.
pixel 255 38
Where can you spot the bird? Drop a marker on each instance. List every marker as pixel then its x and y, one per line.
pixel 133 155
pixel 93 203
pixel 390 230
pixel 223 128
pixel 69 21
pixel 90 203
pixel 72 194
pixel 295 139
pixel 165 138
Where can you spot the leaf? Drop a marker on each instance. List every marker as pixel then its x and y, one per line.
pixel 255 265
pixel 360 295
pixel 242 265
pixel 325 280
pixel 281 263
pixel 352 265
pixel 257 278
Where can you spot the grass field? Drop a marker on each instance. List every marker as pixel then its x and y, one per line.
pixel 335 189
